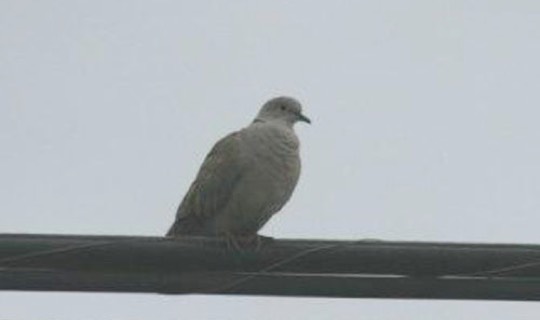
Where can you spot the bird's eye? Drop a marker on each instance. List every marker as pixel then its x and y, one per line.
pixel 283 108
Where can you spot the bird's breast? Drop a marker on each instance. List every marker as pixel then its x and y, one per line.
pixel 271 167
pixel 274 155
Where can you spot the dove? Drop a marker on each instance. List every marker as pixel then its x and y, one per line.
pixel 247 177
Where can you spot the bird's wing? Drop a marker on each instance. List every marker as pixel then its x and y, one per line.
pixel 212 188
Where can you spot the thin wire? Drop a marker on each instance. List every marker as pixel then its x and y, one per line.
pixel 275 265
pixel 499 271
pixel 243 280
pixel 235 284
pixel 43 253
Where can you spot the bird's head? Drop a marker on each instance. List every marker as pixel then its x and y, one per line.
pixel 282 109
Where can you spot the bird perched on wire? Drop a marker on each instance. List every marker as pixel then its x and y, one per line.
pixel 247 177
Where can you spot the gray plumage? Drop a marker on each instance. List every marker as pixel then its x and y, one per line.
pixel 247 177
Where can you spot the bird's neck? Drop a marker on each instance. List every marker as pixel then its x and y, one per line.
pixel 276 122
pixel 274 135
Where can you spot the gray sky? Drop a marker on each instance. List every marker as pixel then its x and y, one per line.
pixel 425 128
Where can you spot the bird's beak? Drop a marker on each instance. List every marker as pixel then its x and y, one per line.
pixel 303 118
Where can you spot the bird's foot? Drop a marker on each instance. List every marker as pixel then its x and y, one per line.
pixel 243 243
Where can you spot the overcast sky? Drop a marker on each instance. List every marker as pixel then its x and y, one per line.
pixel 425 127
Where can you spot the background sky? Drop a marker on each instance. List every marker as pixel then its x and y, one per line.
pixel 425 127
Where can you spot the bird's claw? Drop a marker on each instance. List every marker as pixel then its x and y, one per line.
pixel 243 243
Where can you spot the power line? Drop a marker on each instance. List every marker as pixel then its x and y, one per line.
pixel 283 267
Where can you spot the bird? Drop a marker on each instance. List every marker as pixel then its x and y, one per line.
pixel 247 177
